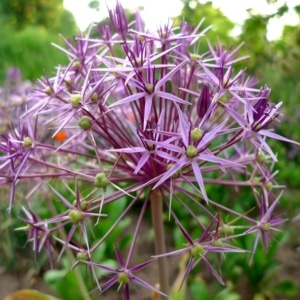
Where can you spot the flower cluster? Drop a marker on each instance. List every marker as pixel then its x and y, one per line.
pixel 144 115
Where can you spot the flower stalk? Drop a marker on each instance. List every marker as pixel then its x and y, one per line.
pixel 156 201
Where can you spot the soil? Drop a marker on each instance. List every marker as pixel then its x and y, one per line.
pixel 25 277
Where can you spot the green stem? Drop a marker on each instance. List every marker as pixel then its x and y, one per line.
pixel 160 242
pixel 82 287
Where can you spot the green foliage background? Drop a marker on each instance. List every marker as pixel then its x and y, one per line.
pixel 27 29
pixel 49 14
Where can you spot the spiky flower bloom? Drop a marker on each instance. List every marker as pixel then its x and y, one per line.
pixel 136 114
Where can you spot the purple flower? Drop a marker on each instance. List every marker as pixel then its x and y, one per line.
pixel 124 276
pixel 39 234
pixel 266 224
pixel 199 249
pixel 150 90
pixel 17 145
pixel 76 215
pixel 194 149
pixel 119 20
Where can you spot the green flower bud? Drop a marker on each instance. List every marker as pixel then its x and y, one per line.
pixel 226 230
pixel 150 87
pixel 123 278
pixel 75 216
pixel 82 256
pixel 141 38
pixel 218 243
pixel 48 90
pixel 83 204
pixel 150 145
pixel 261 158
pixel 191 151
pixel 94 97
pixel 75 100
pixel 85 122
pixel 195 56
pixel 269 186
pixel 196 134
pixel 76 64
pixel 197 251
pixel 266 226
pixel 27 142
pixel 138 61
pixel 101 181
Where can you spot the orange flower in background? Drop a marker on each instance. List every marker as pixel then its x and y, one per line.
pixel 131 117
pixel 60 136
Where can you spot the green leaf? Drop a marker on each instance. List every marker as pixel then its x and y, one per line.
pixel 59 280
pixel 227 294
pixel 199 290
pixel 286 287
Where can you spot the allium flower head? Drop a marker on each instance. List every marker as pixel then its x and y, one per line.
pixel 142 116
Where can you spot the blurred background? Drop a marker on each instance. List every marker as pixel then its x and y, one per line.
pixel 270 30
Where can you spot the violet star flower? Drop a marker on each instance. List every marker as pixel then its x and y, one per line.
pixel 77 214
pixel 199 249
pixel 39 234
pixel 266 224
pixel 151 92
pixel 124 276
pixel 194 150
pixel 119 20
pixel 17 146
